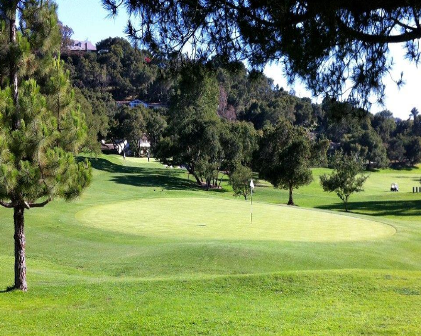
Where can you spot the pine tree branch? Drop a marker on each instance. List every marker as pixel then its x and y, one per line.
pixel 379 38
pixel 39 205
pixel 6 205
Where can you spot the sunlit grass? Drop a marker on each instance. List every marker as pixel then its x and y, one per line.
pixel 114 262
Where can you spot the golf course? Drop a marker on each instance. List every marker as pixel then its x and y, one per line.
pixel 145 251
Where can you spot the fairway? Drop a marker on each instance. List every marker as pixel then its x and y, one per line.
pixel 210 218
pixel 145 251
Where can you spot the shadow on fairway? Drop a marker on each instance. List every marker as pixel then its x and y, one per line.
pixel 163 178
pixel 105 165
pixel 380 208
pixel 398 167
pixel 7 290
pixel 154 178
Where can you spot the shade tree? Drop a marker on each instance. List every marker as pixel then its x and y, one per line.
pixel 284 157
pixel 193 132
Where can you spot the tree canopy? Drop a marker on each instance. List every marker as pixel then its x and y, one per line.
pixel 324 42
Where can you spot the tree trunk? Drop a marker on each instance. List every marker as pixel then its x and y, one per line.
pixel 199 182
pixel 290 201
pixel 20 260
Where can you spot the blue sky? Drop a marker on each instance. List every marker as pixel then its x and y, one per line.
pixel 90 21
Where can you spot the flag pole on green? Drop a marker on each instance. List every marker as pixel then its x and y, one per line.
pixel 251 200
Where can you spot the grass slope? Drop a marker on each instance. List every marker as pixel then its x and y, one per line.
pixel 93 272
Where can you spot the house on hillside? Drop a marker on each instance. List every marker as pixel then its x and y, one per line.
pixel 137 102
pixel 131 103
pixel 82 46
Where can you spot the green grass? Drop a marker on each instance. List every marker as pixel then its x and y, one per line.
pixel 210 219
pixel 146 252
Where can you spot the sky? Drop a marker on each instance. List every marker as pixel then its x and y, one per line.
pixel 90 21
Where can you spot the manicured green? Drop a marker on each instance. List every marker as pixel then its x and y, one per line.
pixel 209 219
pixel 146 252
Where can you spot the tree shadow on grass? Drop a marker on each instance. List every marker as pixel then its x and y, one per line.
pixel 401 167
pixel 157 180
pixel 160 178
pixel 380 208
pixel 105 165
pixel 7 290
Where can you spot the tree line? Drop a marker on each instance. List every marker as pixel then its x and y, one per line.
pixel 119 71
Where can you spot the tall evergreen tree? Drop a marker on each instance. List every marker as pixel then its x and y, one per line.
pixel 41 127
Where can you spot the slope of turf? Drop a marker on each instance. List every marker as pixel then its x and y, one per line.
pixel 92 272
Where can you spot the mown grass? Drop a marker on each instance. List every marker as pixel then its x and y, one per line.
pixel 88 279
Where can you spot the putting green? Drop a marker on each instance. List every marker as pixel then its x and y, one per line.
pixel 207 218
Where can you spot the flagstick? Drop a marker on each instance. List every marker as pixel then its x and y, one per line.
pixel 251 206
pixel 251 200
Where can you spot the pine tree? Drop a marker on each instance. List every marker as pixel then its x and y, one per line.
pixel 41 126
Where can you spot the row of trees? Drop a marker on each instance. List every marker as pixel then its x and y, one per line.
pixel 282 153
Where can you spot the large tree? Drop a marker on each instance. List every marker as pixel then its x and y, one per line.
pixel 325 42
pixel 192 137
pixel 284 157
pixel 41 127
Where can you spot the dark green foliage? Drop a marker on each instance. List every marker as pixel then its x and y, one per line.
pixel 346 178
pixel 327 43
pixel 155 125
pixel 37 155
pixel 413 149
pixel 127 71
pixel 117 68
pixel 396 150
pixel 284 157
pixel 192 136
pixel 239 141
pixel 370 147
pixel 384 124
pixel 319 153
pixel 99 108
pixel 130 124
